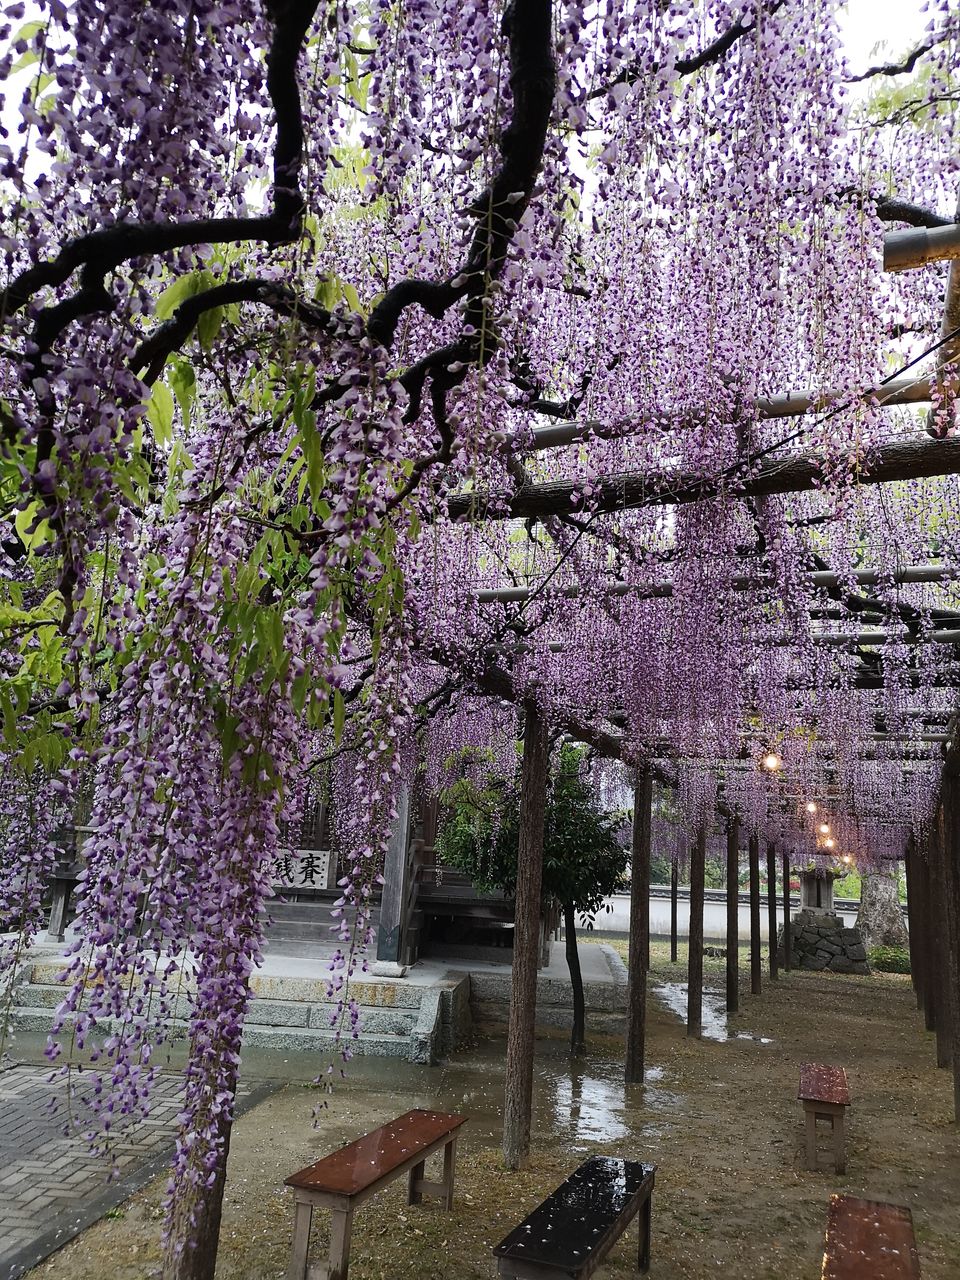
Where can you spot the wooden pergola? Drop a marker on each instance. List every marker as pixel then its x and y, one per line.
pixel 931 738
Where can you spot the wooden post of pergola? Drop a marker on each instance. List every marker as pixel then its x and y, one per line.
pixel 698 859
pixel 772 907
pixel 941 935
pixel 754 846
pixel 733 914
pixel 639 946
pixel 951 897
pixel 674 882
pixel 928 942
pixel 518 1092
pixel 950 894
pixel 913 922
pixel 787 939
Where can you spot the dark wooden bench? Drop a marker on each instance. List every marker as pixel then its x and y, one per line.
pixel 346 1178
pixel 869 1240
pixel 571 1233
pixel 825 1096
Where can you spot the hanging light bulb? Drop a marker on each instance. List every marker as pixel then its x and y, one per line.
pixel 771 762
pixel 824 828
pixel 811 806
pixel 829 842
pixel 846 859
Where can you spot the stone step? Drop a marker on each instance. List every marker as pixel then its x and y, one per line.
pixel 301 1039
pixel 397 1019
pixel 263 1012
pixel 365 989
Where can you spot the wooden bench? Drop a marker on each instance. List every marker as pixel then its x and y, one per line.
pixel 869 1240
pixel 351 1175
pixel 571 1233
pixel 825 1096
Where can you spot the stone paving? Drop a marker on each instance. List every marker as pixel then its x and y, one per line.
pixel 51 1186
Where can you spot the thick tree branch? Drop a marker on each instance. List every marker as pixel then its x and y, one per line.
pixel 527 24
pixel 104 250
pixel 710 54
pixel 170 336
pixel 899 68
pixel 889 209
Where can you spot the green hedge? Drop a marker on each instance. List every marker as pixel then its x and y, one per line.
pixel 890 959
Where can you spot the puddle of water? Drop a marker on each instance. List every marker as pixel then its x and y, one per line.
pixel 714 1020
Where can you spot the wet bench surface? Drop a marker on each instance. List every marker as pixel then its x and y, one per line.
pixel 570 1234
pixel 825 1096
pixel 346 1178
pixel 820 1083
pixel 869 1240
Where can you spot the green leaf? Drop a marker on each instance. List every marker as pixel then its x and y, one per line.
pixel 229 738
pixel 183 380
pixel 24 522
pixel 160 414
pixel 208 326
pixel 339 715
pixel 181 289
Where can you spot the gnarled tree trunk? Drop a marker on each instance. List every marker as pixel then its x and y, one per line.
pixel 194 1232
pixel 880 918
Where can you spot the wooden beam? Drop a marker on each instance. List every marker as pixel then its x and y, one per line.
pixel 905 250
pixel 797 473
pixel 898 391
pixel 752 582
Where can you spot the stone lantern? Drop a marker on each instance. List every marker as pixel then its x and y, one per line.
pixel 816 891
pixel 818 937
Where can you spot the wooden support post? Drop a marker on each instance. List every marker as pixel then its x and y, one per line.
pixel 733 914
pixel 57 924
pixel 518 1092
pixel 754 847
pixel 674 880
pixel 927 942
pixel 787 937
pixel 396 889
pixel 910 867
pixel 698 857
pixel 639 946
pixel 940 932
pixel 772 907
pixel 950 802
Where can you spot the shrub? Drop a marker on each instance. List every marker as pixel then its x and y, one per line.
pixel 890 959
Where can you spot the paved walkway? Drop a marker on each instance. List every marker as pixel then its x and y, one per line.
pixel 51 1187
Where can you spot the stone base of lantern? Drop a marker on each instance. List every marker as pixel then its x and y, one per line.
pixel 820 940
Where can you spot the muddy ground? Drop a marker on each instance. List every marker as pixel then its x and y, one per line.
pixel 720 1119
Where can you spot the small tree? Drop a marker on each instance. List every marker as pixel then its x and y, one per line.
pixel 583 859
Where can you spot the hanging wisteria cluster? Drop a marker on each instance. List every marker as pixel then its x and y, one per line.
pixel 366 369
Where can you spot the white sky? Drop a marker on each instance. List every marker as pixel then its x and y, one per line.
pixel 896 24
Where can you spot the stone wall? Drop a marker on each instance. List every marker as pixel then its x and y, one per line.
pixel 819 940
